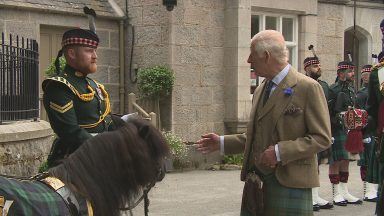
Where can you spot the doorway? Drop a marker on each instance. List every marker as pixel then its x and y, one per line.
pixel 359 48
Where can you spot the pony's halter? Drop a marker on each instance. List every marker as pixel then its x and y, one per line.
pixel 159 177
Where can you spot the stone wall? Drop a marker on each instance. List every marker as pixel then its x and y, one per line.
pixel 334 20
pixel 27 23
pixel 24 146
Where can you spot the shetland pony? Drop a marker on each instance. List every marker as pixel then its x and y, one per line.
pixel 104 175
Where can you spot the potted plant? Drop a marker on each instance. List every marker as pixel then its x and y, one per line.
pixel 154 84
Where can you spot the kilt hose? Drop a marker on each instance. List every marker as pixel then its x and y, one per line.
pixel 31 198
pixel 338 150
pixel 283 201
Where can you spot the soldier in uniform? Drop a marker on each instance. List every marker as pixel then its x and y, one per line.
pixel 370 185
pixel 313 69
pixel 375 108
pixel 77 106
pixel 341 97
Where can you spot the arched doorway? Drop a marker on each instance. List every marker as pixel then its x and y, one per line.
pixel 362 52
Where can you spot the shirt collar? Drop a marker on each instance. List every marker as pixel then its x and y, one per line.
pixel 280 76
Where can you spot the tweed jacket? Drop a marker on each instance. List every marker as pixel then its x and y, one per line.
pixel 296 118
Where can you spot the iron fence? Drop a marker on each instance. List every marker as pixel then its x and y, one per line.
pixel 19 79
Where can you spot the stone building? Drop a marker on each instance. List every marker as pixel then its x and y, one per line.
pixel 205 42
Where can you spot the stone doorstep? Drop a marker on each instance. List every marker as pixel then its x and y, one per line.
pixel 24 130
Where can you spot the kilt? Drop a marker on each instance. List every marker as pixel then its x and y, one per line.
pixel 366 155
pixel 338 150
pixel 31 198
pixel 374 166
pixel 284 201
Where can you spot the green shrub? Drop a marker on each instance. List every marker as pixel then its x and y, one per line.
pixel 234 159
pixel 51 70
pixel 179 150
pixel 155 82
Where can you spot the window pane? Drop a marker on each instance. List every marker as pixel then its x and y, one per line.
pixel 271 22
pixel 288 29
pixel 255 27
pixel 290 54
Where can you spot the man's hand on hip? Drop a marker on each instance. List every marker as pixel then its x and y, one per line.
pixel 268 157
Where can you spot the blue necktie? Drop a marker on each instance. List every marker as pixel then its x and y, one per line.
pixel 267 91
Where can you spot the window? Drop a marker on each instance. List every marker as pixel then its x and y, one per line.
pixel 286 24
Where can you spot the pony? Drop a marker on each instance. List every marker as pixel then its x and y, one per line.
pixel 103 176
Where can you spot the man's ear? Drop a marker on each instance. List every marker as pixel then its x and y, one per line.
pixel 71 52
pixel 267 56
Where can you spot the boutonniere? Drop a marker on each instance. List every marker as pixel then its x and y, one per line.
pixel 292 109
pixel 288 91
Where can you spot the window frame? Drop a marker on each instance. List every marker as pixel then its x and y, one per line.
pixel 290 44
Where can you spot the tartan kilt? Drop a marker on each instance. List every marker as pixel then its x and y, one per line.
pixel 338 150
pixel 366 155
pixel 283 201
pixel 374 166
pixel 31 198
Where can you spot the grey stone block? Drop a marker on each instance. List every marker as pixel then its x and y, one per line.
pixel 186 35
pixel 14 14
pixel 114 74
pixel 212 76
pixel 104 38
pixel 23 29
pixel 114 39
pixel 148 35
pixel 155 55
pixel 108 57
pixel 155 15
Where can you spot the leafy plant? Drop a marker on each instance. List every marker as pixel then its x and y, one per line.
pixel 155 82
pixel 179 150
pixel 51 70
pixel 234 159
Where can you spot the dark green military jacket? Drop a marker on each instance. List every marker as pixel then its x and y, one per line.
pixel 341 96
pixel 77 106
pixel 325 87
pixel 362 97
pixel 375 97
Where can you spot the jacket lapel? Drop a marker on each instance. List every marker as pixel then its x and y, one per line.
pixel 278 97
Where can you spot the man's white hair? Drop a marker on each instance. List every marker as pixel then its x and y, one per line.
pixel 267 42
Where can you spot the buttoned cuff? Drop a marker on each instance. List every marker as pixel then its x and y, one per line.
pixel 277 153
pixel 221 145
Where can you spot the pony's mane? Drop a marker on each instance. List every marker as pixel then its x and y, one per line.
pixel 111 168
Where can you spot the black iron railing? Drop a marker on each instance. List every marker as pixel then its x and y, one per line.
pixel 19 79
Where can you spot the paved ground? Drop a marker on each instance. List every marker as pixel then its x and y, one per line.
pixel 218 193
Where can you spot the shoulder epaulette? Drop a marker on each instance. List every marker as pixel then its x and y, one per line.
pixel 378 66
pixel 84 97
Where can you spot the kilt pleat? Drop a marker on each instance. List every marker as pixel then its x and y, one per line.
pixel 284 201
pixel 338 150
pixel 374 166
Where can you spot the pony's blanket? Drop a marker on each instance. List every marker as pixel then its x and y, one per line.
pixel 24 197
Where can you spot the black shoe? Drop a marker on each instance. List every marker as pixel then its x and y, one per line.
pixel 316 207
pixel 370 200
pixel 342 203
pixel 358 202
pixel 326 206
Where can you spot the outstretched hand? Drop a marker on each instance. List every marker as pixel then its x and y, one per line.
pixel 208 143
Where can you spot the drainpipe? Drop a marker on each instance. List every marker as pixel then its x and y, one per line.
pixel 122 67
